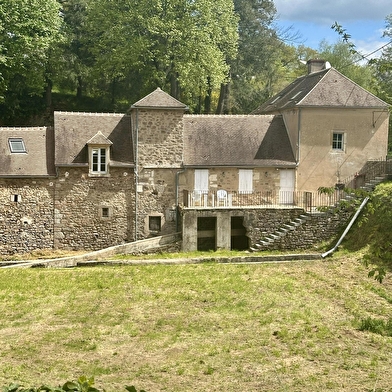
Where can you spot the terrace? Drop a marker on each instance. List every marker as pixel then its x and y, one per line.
pixel 373 173
pixel 281 199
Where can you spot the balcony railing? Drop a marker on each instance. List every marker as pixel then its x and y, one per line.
pixel 372 170
pixel 280 199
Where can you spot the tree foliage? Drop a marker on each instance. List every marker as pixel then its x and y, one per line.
pixel 181 46
pixel 215 55
pixel 27 32
pixel 379 218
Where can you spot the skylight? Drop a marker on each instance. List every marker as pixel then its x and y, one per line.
pixel 296 95
pixel 17 145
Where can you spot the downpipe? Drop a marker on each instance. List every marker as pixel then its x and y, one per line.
pixel 353 219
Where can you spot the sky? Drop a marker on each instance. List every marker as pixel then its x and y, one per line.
pixel 364 20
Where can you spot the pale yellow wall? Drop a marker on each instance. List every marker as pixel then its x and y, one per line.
pixel 366 133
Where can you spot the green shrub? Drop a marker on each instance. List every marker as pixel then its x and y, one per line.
pixel 378 326
pixel 83 384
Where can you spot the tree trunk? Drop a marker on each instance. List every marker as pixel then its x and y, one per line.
pixel 222 107
pixel 174 87
pixel 48 93
pixel 79 88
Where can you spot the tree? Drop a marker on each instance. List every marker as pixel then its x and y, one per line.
pixel 179 45
pixel 27 31
pixel 75 60
pixel 384 65
pixel 257 44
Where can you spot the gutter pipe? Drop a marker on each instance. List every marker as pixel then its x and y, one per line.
pixel 136 171
pixel 176 202
pixel 347 228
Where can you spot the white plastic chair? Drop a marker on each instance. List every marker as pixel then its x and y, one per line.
pixel 221 197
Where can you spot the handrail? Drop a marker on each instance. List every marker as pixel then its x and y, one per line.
pixel 309 201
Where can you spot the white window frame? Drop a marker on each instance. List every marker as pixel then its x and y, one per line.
pixel 17 145
pixel 245 181
pixel 338 145
pixel 99 160
pixel 201 180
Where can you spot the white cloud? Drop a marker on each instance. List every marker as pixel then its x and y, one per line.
pixel 371 48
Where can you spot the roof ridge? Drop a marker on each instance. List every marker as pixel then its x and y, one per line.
pixel 91 113
pixel 26 128
pixel 227 115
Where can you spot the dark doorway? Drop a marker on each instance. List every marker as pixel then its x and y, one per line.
pixel 206 233
pixel 359 181
pixel 239 240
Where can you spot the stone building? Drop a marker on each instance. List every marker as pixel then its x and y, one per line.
pixel 95 180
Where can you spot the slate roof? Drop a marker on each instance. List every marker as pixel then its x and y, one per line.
pixel 158 99
pixel 326 88
pixel 38 161
pixel 73 131
pixel 236 141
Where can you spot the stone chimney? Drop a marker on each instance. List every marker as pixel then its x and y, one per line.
pixel 316 65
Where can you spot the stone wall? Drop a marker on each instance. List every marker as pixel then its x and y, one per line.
pixel 262 222
pixel 159 158
pixel 160 138
pixel 315 229
pixel 26 215
pixel 93 212
pixel 156 198
pixel 264 179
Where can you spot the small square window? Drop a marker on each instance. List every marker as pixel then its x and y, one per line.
pixel 154 223
pixel 17 145
pixel 338 141
pixel 16 198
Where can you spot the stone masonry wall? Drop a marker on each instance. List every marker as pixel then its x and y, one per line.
pixel 264 179
pixel 159 158
pixel 156 198
pixel 26 215
pixel 160 138
pixel 317 228
pixel 92 213
pixel 262 222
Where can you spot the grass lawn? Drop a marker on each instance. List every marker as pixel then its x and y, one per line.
pixel 203 327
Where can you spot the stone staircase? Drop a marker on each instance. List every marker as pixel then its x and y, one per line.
pixel 277 240
pixel 273 240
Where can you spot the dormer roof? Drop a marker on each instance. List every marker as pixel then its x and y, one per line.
pixel 99 139
pixel 158 99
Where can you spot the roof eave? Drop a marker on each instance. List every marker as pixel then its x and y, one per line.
pixel 185 108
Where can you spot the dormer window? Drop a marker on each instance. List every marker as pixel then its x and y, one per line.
pixel 99 160
pixel 99 154
pixel 17 145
